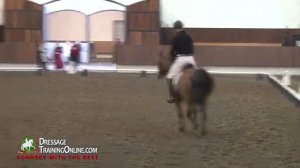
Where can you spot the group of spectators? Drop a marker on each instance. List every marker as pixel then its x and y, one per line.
pixel 43 60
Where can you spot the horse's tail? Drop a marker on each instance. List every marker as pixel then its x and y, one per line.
pixel 202 86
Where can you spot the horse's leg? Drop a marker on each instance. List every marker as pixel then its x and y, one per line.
pixel 201 108
pixel 192 115
pixel 180 117
pixel 182 111
pixel 204 118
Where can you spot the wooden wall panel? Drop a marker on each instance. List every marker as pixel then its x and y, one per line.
pixel 21 5
pixel 14 35
pixel 2 34
pixel 135 38
pixel 144 6
pixel 143 23
pixel 35 36
pixel 137 7
pixel 150 38
pixel 153 5
pixel 6 55
pixel 23 19
pixel 137 54
pixel 230 35
pixel 17 19
pixel 245 56
pixel 104 47
pixel 37 21
pixel 15 4
pixel 21 31
pixel 18 52
pixel 215 55
pixel 22 35
pixel 29 5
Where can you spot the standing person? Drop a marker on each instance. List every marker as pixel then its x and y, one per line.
pixel 286 39
pixel 38 56
pixel 57 57
pixel 74 56
pixel 182 51
pixel 115 54
pixel 74 53
pixel 78 45
pixel 43 56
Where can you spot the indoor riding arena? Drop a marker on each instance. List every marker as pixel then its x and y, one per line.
pixel 108 108
pixel 250 122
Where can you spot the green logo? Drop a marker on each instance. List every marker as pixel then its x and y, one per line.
pixel 28 145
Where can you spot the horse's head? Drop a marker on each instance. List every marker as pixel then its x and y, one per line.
pixel 164 64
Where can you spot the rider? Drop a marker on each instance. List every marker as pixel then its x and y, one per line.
pixel 182 51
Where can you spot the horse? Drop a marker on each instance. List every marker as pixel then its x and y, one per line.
pixel 193 87
pixel 27 145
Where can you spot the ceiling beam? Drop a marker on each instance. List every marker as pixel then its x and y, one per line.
pixel 118 3
pixel 112 1
pixel 50 2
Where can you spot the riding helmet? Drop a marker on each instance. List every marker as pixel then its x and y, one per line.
pixel 178 24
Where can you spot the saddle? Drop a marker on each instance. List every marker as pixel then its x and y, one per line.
pixel 178 75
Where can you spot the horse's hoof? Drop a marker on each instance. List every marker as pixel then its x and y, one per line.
pixel 181 129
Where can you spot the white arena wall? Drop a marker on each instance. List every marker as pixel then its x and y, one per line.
pixel 231 13
pixel 100 25
pixel 66 26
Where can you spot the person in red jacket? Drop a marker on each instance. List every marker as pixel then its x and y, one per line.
pixel 57 57
pixel 75 50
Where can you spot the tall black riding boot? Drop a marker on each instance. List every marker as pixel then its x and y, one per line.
pixel 171 91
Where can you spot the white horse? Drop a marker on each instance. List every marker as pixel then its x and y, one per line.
pixel 27 145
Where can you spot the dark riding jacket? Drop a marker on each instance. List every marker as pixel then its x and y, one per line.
pixel 182 44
